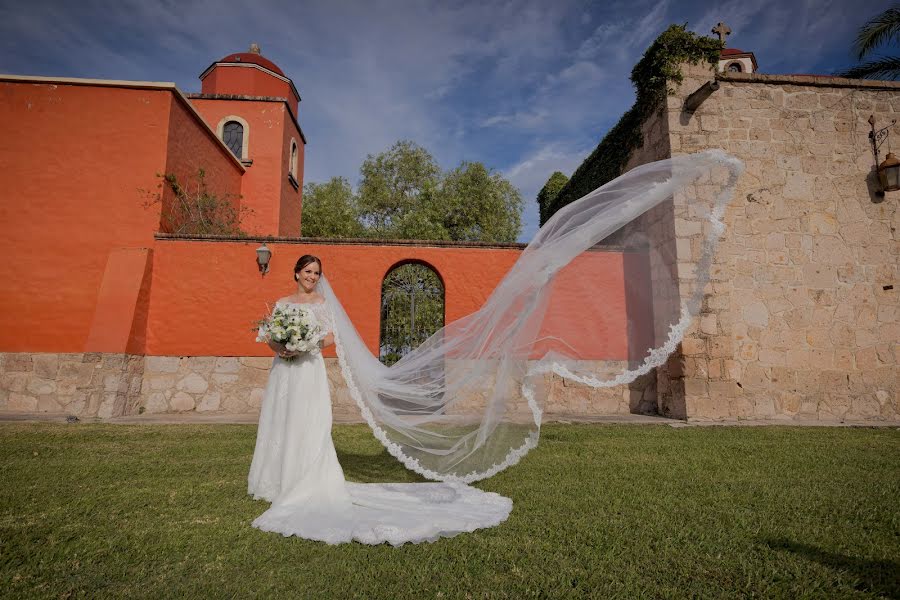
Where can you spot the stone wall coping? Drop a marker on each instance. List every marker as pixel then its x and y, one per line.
pixel 811 80
pixel 176 237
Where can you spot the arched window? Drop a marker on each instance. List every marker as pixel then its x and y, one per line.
pixel 292 164
pixel 233 136
pixel 735 67
pixel 235 132
pixel 412 309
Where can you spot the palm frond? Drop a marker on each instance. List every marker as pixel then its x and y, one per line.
pixel 877 31
pixel 886 68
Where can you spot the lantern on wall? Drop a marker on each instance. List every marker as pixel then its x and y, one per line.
pixel 889 170
pixel 889 173
pixel 263 255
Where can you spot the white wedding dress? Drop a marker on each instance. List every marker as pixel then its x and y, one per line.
pixel 295 467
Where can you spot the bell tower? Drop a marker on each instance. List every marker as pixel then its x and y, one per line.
pixel 253 106
pixel 732 60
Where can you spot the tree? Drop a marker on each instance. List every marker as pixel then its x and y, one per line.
pixel 394 184
pixel 548 194
pixel 477 204
pixel 403 194
pixel 881 29
pixel 330 210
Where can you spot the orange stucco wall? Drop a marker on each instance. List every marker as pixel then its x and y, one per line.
pixel 85 272
pixel 290 200
pixel 74 162
pixel 264 183
pixel 189 149
pixel 247 81
pixel 207 295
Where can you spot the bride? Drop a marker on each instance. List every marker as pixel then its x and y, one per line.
pixel 296 468
pixel 468 402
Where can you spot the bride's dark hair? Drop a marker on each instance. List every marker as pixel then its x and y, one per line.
pixel 305 260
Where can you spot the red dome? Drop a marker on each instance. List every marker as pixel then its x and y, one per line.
pixel 731 52
pixel 252 58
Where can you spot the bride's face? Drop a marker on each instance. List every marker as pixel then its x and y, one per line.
pixel 309 277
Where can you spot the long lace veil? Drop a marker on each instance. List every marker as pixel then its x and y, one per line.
pixel 602 295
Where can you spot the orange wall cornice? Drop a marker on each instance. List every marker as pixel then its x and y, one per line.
pixel 255 66
pixel 245 98
pixel 370 242
pixel 135 85
pixel 348 241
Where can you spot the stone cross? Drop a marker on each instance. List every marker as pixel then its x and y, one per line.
pixel 721 30
pixel 254 48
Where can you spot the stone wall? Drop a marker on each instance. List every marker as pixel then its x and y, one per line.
pixel 801 318
pixel 111 385
pixel 80 384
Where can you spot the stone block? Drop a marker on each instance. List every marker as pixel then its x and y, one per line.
pixel 17 402
pixel 115 382
pixel 48 404
pixel 193 384
pixel 210 401
pixel 772 358
pixel 159 382
pixel 182 402
pixel 257 362
pixel 255 399
pixel 764 406
pixel 227 364
pixel 788 403
pixel 45 365
pixel 112 405
pixel 156 403
pixel 17 362
pixel 866 359
pixel 37 387
pixel 113 361
pixel 253 377
pixel 709 324
pixel 819 276
pixel 78 373
pixel 224 380
pixel 14 381
pixel 78 405
pixel 235 403
pixel 755 314
pixel 198 364
pixel 162 364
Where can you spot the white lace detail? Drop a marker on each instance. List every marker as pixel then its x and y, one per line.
pixel 411 463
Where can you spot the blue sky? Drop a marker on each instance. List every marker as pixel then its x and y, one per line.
pixel 524 87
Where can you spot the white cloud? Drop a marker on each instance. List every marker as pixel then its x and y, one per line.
pixel 531 173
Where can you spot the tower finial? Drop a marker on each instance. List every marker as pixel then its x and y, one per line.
pixel 254 48
pixel 722 30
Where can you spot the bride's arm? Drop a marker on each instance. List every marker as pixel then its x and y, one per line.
pixel 327 340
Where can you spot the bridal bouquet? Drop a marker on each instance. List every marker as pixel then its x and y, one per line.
pixel 294 326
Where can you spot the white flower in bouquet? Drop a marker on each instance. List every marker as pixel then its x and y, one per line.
pixel 293 326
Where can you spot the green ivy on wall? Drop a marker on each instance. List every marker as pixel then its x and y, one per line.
pixel 657 74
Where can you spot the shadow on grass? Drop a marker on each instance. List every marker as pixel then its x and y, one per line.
pixel 375 468
pixel 881 577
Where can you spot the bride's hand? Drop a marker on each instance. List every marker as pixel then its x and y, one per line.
pixel 281 351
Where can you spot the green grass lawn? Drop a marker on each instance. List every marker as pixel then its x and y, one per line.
pixel 599 511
